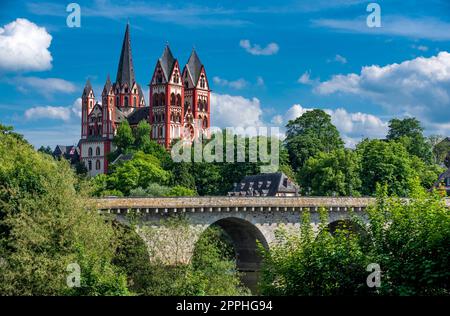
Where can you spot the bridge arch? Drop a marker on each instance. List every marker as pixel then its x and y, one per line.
pixel 244 237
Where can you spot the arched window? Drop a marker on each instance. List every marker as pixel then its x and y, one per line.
pixel 172 99
pixel 126 102
pixel 205 106
pixel 90 165
pixel 134 101
pixel 202 81
pixel 97 151
pixel 162 98
pixel 178 100
pixel 159 76
pixel 97 165
pixel 90 152
pixel 155 99
pixel 117 101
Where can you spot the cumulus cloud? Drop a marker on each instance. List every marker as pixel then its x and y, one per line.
pixel 48 112
pixel 352 126
pixel 54 112
pixel 24 47
pixel 255 49
pixel 419 87
pixel 236 84
pixel 235 111
pixel 44 86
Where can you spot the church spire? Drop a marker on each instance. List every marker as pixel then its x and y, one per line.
pixel 125 72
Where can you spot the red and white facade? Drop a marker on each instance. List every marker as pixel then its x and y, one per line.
pixel 179 102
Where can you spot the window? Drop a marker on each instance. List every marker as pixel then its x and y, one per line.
pixel 97 151
pixel 126 102
pixel 134 101
pixel 97 165
pixel 172 99
pixel 159 76
pixel 90 152
pixel 90 165
pixel 178 100
pixel 117 101
pixel 202 81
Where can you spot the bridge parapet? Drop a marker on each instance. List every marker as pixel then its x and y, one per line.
pixel 228 204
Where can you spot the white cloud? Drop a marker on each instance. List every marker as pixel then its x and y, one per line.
pixel 44 86
pixel 76 107
pixel 255 49
pixel 423 28
pixel 235 111
pixel 338 59
pixel 419 87
pixel 305 78
pixel 236 84
pixel 352 126
pixel 54 112
pixel 24 47
pixel 48 112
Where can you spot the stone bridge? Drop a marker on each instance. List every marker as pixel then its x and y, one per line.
pixel 244 220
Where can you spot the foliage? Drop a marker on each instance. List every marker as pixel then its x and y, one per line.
pixel 45 150
pixel 124 139
pixel 440 147
pixel 410 242
pixel 333 173
pixel 408 239
pixel 310 134
pixel 409 132
pixel 209 272
pixel 302 264
pixel 385 163
pixel 46 223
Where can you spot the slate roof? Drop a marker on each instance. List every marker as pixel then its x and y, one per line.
pixel 122 157
pixel 87 87
pixel 125 71
pixel 194 65
pixel 264 184
pixel 138 115
pixel 71 153
pixel 107 86
pixel 167 61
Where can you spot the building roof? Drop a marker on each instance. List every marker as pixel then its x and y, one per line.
pixel 264 184
pixel 107 86
pixel 87 87
pixel 167 62
pixel 125 71
pixel 122 157
pixel 194 65
pixel 138 115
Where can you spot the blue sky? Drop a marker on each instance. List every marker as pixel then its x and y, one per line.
pixel 266 61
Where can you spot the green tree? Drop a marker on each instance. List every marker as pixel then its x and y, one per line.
pixel 47 223
pixel 333 173
pixel 124 139
pixel 385 163
pixel 310 134
pixel 305 264
pixel 410 133
pixel 142 135
pixel 440 147
pixel 46 150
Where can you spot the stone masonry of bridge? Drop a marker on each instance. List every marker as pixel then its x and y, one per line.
pixel 245 220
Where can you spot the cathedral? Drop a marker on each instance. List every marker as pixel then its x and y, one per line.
pixel 179 105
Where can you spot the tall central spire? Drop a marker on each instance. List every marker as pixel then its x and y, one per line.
pixel 125 72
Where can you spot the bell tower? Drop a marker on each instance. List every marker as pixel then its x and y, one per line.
pixel 166 99
pixel 87 104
